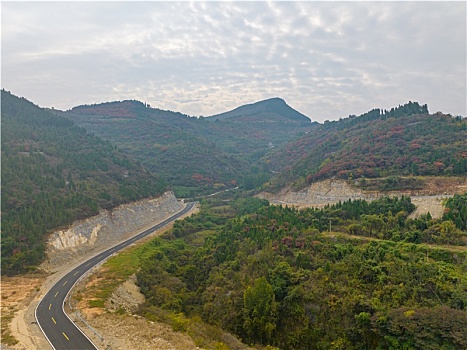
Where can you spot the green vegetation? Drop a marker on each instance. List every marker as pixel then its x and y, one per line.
pixel 406 141
pixel 194 152
pixel 268 145
pixel 119 268
pixel 391 183
pixel 353 275
pixel 276 276
pixel 268 110
pixel 456 211
pixel 7 337
pixel 53 173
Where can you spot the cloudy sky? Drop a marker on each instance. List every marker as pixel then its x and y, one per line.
pixel 326 59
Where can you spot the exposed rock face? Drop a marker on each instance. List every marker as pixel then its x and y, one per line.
pixel 127 296
pixel 108 228
pixel 332 191
pixel 320 193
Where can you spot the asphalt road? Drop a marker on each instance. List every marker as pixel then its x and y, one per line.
pixel 57 327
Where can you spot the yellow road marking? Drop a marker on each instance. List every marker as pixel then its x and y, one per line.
pixel 65 336
pixel 50 306
pixel 65 282
pixel 76 273
pixel 53 319
pixel 87 264
pixel 56 295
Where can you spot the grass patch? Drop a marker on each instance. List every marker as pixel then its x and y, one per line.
pixel 96 303
pixel 114 272
pixel 7 338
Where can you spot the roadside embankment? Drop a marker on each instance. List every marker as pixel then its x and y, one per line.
pixel 89 236
pixel 67 249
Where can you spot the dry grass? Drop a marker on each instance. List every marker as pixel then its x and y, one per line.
pixel 16 292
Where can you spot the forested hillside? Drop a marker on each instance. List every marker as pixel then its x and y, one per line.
pixel 194 152
pixel 54 172
pixel 276 276
pixel 249 144
pixel 403 141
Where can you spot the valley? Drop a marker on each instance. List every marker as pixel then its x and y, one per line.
pixel 299 225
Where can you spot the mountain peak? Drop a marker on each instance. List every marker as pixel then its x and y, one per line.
pixel 272 109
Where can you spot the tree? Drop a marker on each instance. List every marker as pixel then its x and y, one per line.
pixel 259 311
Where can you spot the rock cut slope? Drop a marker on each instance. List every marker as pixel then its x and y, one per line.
pixel 91 235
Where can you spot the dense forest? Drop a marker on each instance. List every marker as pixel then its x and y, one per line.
pixel 270 145
pixel 54 172
pixel 197 154
pixel 354 275
pixel 405 141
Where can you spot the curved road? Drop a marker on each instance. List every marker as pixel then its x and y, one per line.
pixel 57 327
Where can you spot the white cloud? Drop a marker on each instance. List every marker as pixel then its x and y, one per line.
pixel 326 59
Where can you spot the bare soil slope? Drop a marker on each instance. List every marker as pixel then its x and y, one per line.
pixel 427 199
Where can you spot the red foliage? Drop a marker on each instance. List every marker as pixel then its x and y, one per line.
pixel 287 241
pixel 300 243
pixel 414 145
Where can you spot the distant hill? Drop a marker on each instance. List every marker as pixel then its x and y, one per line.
pixel 406 140
pixel 193 152
pixel 54 172
pixel 274 109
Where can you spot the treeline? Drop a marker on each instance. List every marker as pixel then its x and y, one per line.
pixel 53 173
pixel 276 277
pixel 408 109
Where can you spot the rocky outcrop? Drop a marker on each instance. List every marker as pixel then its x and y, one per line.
pixel 320 193
pixel 127 296
pixel 332 191
pixel 108 228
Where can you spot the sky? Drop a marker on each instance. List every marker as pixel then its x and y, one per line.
pixel 325 59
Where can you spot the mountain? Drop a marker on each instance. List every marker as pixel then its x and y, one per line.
pixel 53 173
pixel 193 154
pixel 404 141
pixel 274 109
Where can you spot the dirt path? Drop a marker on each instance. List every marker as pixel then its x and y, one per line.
pixel 451 248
